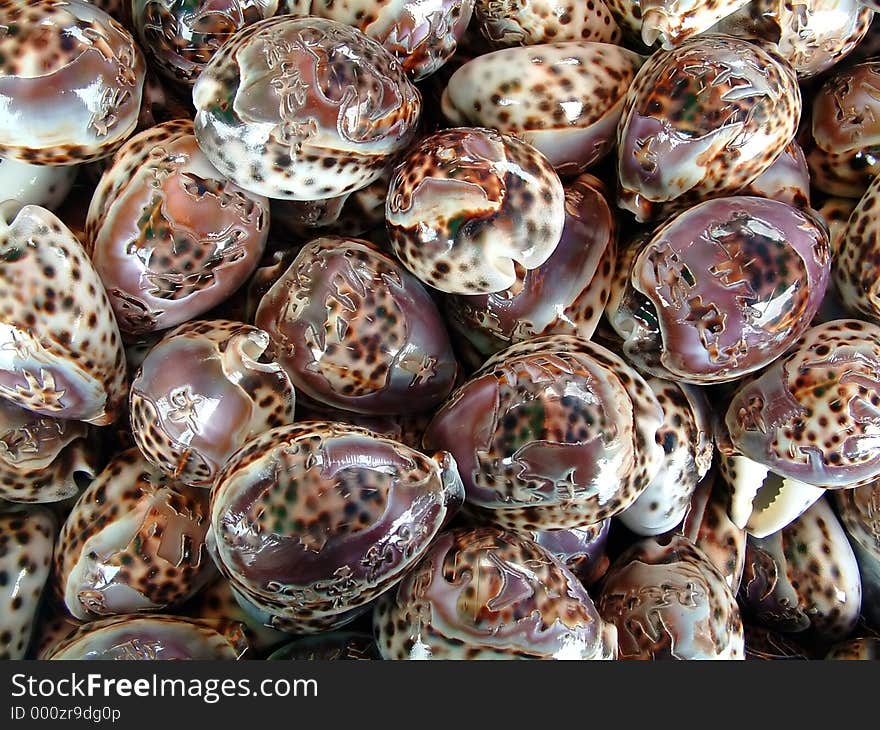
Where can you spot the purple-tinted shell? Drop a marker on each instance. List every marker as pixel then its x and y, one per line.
pixel 553 433
pixel 723 289
pixel 531 22
pixel 786 180
pixel 703 121
pixel 310 522
pixel 333 646
pixel 762 644
pixel 581 549
pixel 203 392
pixel 482 593
pixel 813 416
pixel 669 601
pixel 859 511
pixel 358 332
pixel 862 649
pixel 565 295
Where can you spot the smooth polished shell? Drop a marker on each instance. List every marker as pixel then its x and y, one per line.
pixel 668 601
pixel 786 180
pixel 60 350
pixel 703 121
pixel 170 237
pixel 303 109
pixel 859 512
pixel 722 289
pixel 553 433
pixel 467 205
pixel 581 549
pixel 43 185
pixel 356 331
pixel 203 392
pixel 669 22
pixel 857 258
pixel 565 99
pixel 484 593
pixel 530 22
pixel 334 646
pixel 71 80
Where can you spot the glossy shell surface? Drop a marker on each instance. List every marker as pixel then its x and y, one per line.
pixel 581 549
pixel 530 22
pixel 669 22
pixel 43 185
pixel 859 512
pixel 859 255
pixel 334 646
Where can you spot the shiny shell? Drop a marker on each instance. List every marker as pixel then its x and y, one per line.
pixel 669 22
pixel 331 647
pixel 203 392
pixel 565 99
pixel 483 593
pixel 668 601
pixel 71 80
pixel 723 289
pixel 312 521
pixel 804 577
pixel 581 549
pixel 855 268
pixel 43 185
pixel 762 644
pixel 60 350
pixel 467 205
pixel 863 649
pixel 786 180
pixel 169 236
pixel 356 331
pixel 847 174
pixel 703 121
pixel 529 22
pixel 133 542
pixel 303 108
pixel 859 511
pixel 553 433
pixel 27 537
pixel 565 295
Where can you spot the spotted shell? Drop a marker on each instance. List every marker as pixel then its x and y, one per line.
pixel 581 549
pixel 358 332
pixel 484 593
pixel 530 22
pixel 804 577
pixel 703 121
pixel 861 649
pixel 53 626
pixel 303 108
pixel 51 53
pixel 43 185
pixel 686 438
pixel 60 350
pixel 565 295
pixel 421 34
pixel 855 268
pixel 565 99
pixel 333 646
pixel 169 236
pixel 27 537
pixel 203 392
pixel 553 433
pixel 310 522
pixel 668 601
pixel 812 416
pixel 133 542
pixel 151 638
pixel 467 205
pixel 43 459
pixel 181 38
pixel 846 174
pixel 859 511
pixel 836 213
pixel 786 180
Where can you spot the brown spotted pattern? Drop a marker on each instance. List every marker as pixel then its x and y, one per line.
pixel 669 23
pixel 862 649
pixel 531 22
pixel 859 512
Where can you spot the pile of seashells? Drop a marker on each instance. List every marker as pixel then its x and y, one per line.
pixel 414 329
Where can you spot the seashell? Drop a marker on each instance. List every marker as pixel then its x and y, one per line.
pixel 859 512
pixel 564 99
pixel 42 185
pixel 861 649
pixel 530 22
pixel 271 117
pixel 50 53
pixel 53 627
pixel 854 268
pixel 786 180
pixel 845 174
pixel 484 593
pixel 60 350
pixel 764 644
pixel 334 646
pixel 581 549
pixel 203 392
pixel 467 205
pixel 836 213
pixel 551 434
pixel 119 10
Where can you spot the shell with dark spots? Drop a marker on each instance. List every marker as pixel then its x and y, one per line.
pixel 786 180
pixel 169 236
pixel 565 99
pixel 859 511
pixel 303 108
pixel 507 23
pixel 553 433
pixel 60 350
pixel 581 549
pixel 565 295
pixel 668 601
pixel 702 121
pixel 333 646
pixel 484 593
pixel 135 541
pixel 310 522
pixel 722 289
pixel 669 23
pixel 71 80
pixel 469 205
pixel 855 267
pixel 861 649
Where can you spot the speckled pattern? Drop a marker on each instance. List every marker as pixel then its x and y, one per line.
pixel 855 268
pixel 60 354
pixel 859 512
pixel 786 180
pixel 668 601
pixel 552 433
pixel 27 537
pixel 703 121
pixel 531 22
pixel 356 331
pixel 50 50
pixel 860 649
pixel 133 542
pixel 203 392
pixel 483 593
pixel 467 205
pixel 303 109
pixel 669 23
